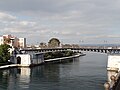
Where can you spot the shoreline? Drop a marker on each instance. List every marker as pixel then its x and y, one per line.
pixel 63 58
pixel 45 61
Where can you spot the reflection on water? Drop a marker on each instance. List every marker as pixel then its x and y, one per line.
pixel 88 73
pixel 15 78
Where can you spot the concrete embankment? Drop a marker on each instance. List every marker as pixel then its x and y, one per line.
pixel 64 58
pixel 8 66
pixel 45 61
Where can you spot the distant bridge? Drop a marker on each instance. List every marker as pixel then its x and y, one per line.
pixel 101 50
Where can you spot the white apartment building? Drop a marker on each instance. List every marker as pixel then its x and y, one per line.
pixel 13 41
pixel 1 40
pixel 22 42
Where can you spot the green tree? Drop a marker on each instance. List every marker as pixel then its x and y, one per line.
pixel 43 45
pixel 54 42
pixel 4 53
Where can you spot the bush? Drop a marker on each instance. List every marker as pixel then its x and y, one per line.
pixel 58 54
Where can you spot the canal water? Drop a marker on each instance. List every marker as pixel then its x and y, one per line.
pixel 84 73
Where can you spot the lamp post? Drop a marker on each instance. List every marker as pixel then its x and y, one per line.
pixel 105 42
pixel 80 42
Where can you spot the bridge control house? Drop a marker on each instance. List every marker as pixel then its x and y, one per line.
pixel 28 59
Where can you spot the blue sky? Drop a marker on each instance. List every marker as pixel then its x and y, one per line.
pixel 71 21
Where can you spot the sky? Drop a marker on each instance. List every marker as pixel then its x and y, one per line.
pixel 71 21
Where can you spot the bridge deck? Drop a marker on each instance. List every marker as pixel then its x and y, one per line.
pixel 102 50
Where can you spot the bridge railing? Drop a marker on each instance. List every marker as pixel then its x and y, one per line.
pixel 92 49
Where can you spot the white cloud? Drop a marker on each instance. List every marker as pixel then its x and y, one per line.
pixel 65 19
pixel 113 36
pixel 13 30
pixel 5 16
pixel 27 23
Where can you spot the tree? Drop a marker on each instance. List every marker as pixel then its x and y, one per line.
pixel 54 42
pixel 43 45
pixel 66 46
pixel 4 53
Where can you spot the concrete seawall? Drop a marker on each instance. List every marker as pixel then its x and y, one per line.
pixel 49 60
pixel 63 58
pixel 8 66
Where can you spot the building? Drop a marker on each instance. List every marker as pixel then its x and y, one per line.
pixel 10 40
pixel 1 40
pixel 28 59
pixel 22 42
pixel 13 41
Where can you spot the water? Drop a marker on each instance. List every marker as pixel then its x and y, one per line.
pixel 84 73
